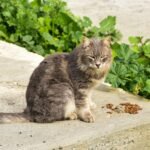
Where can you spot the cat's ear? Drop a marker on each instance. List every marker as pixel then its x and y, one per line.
pixel 86 42
pixel 106 41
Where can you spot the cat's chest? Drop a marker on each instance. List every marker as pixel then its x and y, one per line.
pixel 95 82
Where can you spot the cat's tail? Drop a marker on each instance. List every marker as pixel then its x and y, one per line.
pixel 14 118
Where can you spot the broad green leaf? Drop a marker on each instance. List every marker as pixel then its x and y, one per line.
pixel 118 74
pixel 136 48
pixel 94 31
pixel 27 38
pixel 52 51
pixel 14 37
pixel 143 60
pixel 147 41
pixel 123 51
pixel 41 21
pixel 86 22
pixel 116 35
pixel 76 36
pixel 39 50
pixel 46 36
pixel 148 69
pixel 3 35
pixel 6 13
pixel 147 86
pixel 113 79
pixel 135 40
pixel 108 24
pixel 146 49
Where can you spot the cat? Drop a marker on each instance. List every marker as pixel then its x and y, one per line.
pixel 60 87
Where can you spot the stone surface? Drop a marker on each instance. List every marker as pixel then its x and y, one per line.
pixel 109 131
pixel 132 15
pixel 16 66
pixel 116 131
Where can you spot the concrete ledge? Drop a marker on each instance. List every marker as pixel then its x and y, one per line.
pixel 16 66
pixel 129 139
pixel 110 131
pixel 103 134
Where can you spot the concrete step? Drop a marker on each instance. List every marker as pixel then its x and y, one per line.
pixel 116 131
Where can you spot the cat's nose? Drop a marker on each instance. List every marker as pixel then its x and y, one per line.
pixel 97 65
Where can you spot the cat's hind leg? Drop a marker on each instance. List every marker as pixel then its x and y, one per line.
pixel 57 104
pixel 70 110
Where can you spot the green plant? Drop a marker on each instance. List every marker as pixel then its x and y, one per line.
pixel 48 26
pixel 131 66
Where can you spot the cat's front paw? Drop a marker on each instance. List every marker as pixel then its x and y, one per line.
pixel 73 116
pixel 92 105
pixel 88 117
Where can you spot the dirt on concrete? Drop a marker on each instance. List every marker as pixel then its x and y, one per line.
pixel 136 138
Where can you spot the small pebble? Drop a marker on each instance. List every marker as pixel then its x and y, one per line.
pixel 20 132
pixel 60 147
pixel 132 141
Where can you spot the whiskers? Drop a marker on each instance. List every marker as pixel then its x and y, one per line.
pixel 94 72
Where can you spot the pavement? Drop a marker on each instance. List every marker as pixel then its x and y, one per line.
pixel 16 66
pixel 116 131
pixel 132 15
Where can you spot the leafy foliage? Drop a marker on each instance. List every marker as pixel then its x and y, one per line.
pixel 47 26
pixel 131 66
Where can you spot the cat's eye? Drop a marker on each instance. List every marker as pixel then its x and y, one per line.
pixel 104 59
pixel 91 57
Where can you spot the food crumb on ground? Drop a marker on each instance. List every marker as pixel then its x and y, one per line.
pixel 123 108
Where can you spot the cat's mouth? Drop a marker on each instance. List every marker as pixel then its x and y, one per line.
pixel 96 66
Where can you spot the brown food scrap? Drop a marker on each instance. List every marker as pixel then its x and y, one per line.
pixel 118 109
pixel 109 106
pixel 124 108
pixel 109 112
pixel 131 108
pixel 123 104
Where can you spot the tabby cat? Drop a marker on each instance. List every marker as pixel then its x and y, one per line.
pixel 61 86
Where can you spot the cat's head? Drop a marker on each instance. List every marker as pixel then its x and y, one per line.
pixel 94 54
